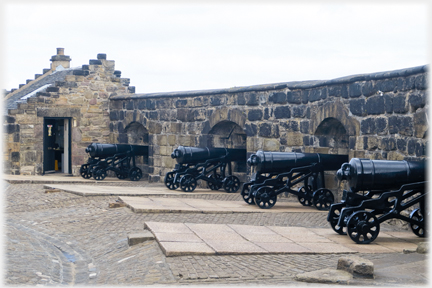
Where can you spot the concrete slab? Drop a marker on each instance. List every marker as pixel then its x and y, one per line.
pixel 223 239
pixel 178 205
pixel 260 234
pixel 185 248
pixel 178 237
pixel 227 247
pixel 162 227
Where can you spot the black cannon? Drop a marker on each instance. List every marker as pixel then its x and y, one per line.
pixel 208 164
pixel 119 158
pixel 379 190
pixel 279 172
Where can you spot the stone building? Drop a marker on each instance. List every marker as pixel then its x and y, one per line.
pixel 379 116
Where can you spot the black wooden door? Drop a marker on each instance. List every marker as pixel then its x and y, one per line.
pixel 49 141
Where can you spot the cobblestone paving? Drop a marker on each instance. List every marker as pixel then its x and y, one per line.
pixel 61 238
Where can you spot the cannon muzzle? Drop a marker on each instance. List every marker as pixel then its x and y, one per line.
pixel 365 174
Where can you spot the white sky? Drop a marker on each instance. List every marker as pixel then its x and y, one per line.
pixel 185 45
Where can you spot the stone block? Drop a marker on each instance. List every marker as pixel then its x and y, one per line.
pixel 294 139
pixel 161 140
pixel 375 105
pixel 164 150
pixel 271 145
pixel 278 97
pixel 357 154
pixel 420 124
pixel 172 140
pixel 394 155
pixel 154 178
pixel 399 104
pixel 359 267
pixel 252 98
pixel 294 97
pixel 327 276
pixel 417 100
pixel 357 107
pixel 255 115
pixel 355 90
pixel 138 238
pixel 423 248
pixel 282 112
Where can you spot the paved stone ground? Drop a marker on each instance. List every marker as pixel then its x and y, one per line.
pixel 61 238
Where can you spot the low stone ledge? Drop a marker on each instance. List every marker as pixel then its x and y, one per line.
pixel 357 266
pixel 137 238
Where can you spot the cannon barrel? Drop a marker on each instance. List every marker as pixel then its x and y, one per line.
pixel 194 155
pixel 365 174
pixel 108 150
pixel 270 162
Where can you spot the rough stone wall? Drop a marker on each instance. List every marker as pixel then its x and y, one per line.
pixel 376 116
pixel 83 96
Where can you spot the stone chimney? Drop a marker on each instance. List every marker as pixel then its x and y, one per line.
pixel 60 59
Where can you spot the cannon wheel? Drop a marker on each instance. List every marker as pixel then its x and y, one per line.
pixel 334 214
pixel 363 227
pixel 122 174
pixel 418 230
pixel 265 197
pixel 135 174
pixel 247 196
pixel 169 181
pixel 231 184
pixel 84 171
pixel 322 199
pixel 305 198
pixel 188 183
pixel 211 184
pixel 99 174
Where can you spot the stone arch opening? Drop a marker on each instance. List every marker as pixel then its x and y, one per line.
pixel 332 138
pixel 136 134
pixel 228 134
pixel 331 133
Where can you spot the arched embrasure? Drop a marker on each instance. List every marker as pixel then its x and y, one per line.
pixel 137 134
pixel 228 134
pixel 332 133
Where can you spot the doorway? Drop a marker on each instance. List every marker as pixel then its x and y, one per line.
pixel 57 145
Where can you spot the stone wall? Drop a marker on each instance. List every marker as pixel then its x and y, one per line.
pixel 83 96
pixel 376 116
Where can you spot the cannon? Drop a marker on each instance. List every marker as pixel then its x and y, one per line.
pixel 212 165
pixel 119 158
pixel 279 172
pixel 379 190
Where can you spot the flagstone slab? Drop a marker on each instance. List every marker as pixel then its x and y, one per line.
pixel 185 248
pixel 178 239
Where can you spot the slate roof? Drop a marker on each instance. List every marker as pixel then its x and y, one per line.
pixel 37 86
